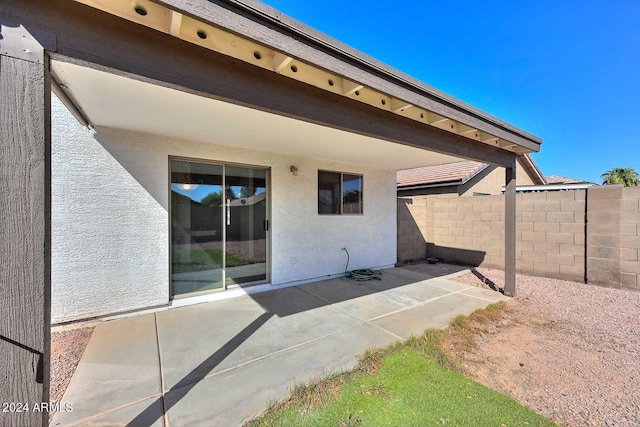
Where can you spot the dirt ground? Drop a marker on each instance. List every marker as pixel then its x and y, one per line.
pixel 67 346
pixel 569 351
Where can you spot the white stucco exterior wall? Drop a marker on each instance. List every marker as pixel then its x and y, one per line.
pixel 110 220
pixel 109 248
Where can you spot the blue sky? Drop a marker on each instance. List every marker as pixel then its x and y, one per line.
pixel 199 192
pixel 566 71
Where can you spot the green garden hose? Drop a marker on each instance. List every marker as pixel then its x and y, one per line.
pixel 362 274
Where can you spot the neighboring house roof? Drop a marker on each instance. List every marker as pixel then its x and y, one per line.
pixel 456 173
pixel 557 183
pixel 534 170
pixel 248 201
pixel 451 173
pixel 557 179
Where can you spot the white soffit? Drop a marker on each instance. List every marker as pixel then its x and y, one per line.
pixel 123 103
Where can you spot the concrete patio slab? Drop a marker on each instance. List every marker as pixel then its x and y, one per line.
pixel 119 366
pixel 480 293
pixel 219 363
pixel 433 314
pixel 197 341
pixel 419 291
pixel 358 299
pixel 147 413
pixel 410 276
pixel 236 396
pixel 435 270
pixel 392 280
pixel 449 285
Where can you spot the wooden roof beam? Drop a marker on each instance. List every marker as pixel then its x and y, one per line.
pixel 439 121
pixel 175 24
pixel 468 131
pixel 398 105
pixel 280 61
pixel 442 122
pixel 489 139
pixel 349 87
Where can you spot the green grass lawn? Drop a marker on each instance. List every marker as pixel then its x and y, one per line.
pixel 188 260
pixel 408 384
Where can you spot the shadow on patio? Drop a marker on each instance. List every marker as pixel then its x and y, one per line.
pixel 219 363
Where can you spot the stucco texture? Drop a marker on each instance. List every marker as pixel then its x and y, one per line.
pixel 492 180
pixel 109 249
pixel 110 220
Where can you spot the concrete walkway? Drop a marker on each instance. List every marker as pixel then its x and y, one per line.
pixel 219 363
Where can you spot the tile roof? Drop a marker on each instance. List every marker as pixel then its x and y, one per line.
pixel 557 179
pixel 453 172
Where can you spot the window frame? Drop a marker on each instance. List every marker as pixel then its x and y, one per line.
pixel 341 192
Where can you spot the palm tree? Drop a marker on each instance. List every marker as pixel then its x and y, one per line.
pixel 247 191
pixel 212 199
pixel 626 176
pixel 215 198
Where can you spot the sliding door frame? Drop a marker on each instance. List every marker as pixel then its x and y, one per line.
pixel 224 165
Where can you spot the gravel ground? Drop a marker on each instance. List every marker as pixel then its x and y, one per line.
pixel 567 350
pixel 67 346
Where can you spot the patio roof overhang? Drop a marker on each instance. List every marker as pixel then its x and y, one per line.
pixel 107 100
pixel 233 52
pixel 256 34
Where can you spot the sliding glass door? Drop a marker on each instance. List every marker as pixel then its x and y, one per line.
pixel 246 224
pixel 218 226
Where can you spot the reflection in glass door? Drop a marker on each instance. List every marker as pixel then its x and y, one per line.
pixel 218 237
pixel 197 239
pixel 246 222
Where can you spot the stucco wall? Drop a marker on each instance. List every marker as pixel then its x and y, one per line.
pixel 110 203
pixel 493 181
pixel 109 249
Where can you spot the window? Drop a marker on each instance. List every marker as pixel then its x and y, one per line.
pixel 339 193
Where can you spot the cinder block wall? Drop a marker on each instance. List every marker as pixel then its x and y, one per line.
pixel 613 239
pixel 411 229
pixel 552 243
pixel 630 238
pixel 549 232
pixel 553 239
pixel 467 230
pixel 603 235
